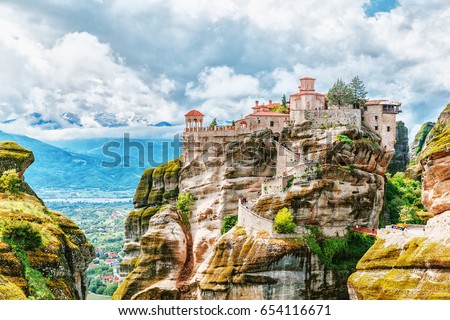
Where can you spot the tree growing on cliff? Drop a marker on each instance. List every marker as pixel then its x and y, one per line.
pixel 185 202
pixel 359 93
pixel 340 94
pixel 228 223
pixel 284 221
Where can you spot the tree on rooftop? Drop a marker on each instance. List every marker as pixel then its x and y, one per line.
pixel 340 94
pixel 283 101
pixel 359 93
pixel 213 123
pixel 282 108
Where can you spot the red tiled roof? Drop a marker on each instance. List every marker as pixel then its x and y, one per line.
pixel 374 102
pixel 194 113
pixel 267 114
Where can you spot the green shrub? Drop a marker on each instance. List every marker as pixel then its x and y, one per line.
pixel 185 202
pixel 343 138
pixel 289 183
pixel 228 223
pixel 23 235
pixel 10 181
pixel 284 221
pixel 340 254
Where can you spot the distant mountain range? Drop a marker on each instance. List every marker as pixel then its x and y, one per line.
pixel 72 120
pixel 77 164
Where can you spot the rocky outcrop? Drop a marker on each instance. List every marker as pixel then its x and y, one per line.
pixel 406 265
pixel 164 260
pixel 415 264
pixel 13 156
pixel 414 170
pixel 401 156
pixel 340 182
pixel 435 161
pixel 421 137
pixel 243 266
pixel 217 179
pixel 54 269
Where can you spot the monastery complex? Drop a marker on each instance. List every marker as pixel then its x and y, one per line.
pixel 307 105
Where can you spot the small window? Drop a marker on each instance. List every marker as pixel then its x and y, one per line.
pixel 272 123
pixel 388 129
pixel 365 108
pixel 259 121
pixel 376 128
pixel 362 119
pixel 376 117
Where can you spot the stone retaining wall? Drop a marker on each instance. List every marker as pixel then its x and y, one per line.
pixel 252 222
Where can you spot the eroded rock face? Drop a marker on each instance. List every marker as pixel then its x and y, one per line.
pixel 401 156
pixel 159 270
pixel 435 161
pixel 157 188
pixel 14 156
pixel 217 181
pixel 405 265
pixel 341 183
pixel 420 139
pixel 259 267
pixel 414 264
pixel 56 269
pixel 347 187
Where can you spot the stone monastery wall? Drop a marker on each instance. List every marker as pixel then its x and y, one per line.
pixel 252 222
pixel 327 118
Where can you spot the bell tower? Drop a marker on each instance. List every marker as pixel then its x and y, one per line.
pixel 194 120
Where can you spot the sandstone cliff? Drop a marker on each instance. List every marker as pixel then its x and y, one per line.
pixel 48 255
pixel 414 170
pixel 420 139
pixel 340 182
pixel 217 184
pixel 243 266
pixel 401 156
pixel 435 161
pixel 415 264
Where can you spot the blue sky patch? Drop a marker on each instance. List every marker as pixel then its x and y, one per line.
pixel 376 6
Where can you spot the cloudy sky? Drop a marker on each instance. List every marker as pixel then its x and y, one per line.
pixel 159 58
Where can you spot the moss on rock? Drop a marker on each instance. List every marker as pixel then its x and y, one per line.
pixel 14 156
pixel 439 137
pixel 54 270
pixel 10 291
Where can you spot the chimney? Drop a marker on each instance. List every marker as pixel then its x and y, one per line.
pixel 256 103
pixel 270 102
